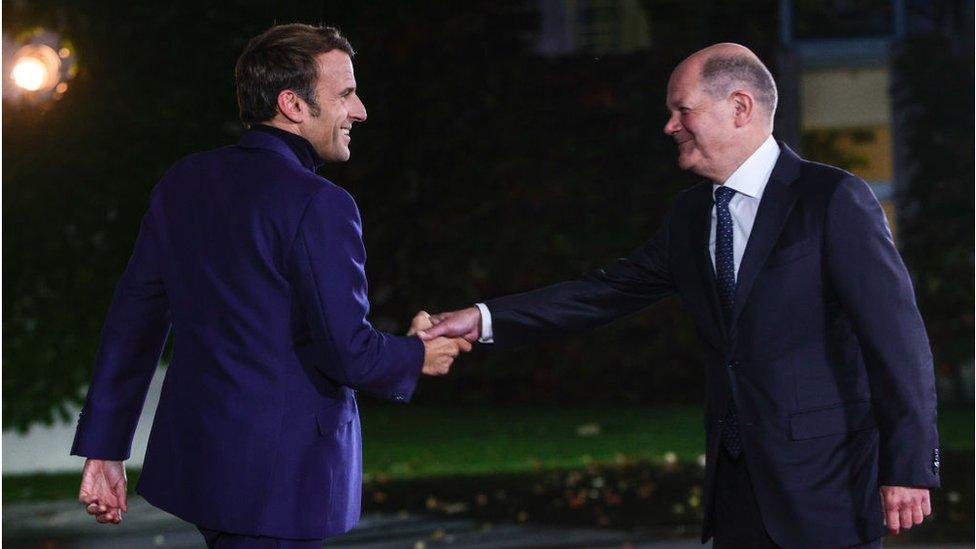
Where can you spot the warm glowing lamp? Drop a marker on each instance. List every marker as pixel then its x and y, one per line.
pixel 37 67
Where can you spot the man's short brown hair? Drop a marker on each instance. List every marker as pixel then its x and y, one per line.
pixel 721 73
pixel 282 58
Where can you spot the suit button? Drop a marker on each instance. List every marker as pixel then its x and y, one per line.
pixel 398 397
pixel 733 365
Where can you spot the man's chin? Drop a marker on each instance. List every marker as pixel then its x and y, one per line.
pixel 337 156
pixel 685 162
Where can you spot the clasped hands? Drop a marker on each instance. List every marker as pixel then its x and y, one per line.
pixel 440 347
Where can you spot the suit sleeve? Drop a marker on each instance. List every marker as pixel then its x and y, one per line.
pixel 328 265
pixel 625 286
pixel 876 291
pixel 131 342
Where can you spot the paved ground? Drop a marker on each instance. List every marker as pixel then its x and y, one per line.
pixel 63 524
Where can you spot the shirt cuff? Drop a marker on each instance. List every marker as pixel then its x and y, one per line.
pixel 486 333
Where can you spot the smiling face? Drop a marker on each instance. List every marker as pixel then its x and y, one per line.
pixel 340 107
pixel 703 127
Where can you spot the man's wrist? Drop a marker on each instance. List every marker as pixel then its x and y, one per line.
pixel 486 335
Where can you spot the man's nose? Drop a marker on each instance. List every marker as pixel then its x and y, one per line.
pixel 672 126
pixel 358 111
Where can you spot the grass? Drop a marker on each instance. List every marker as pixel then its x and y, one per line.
pixel 403 441
pixel 438 440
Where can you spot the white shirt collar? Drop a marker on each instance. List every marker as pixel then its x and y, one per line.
pixel 751 176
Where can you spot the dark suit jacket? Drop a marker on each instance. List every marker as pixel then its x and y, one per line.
pixel 258 265
pixel 826 357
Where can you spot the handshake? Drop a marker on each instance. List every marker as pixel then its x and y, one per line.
pixel 445 336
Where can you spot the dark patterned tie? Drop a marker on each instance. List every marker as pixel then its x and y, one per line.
pixel 725 276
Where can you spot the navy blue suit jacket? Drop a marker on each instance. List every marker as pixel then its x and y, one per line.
pixel 826 357
pixel 258 265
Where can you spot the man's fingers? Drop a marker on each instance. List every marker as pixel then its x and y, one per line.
pixel 86 492
pixel 113 515
pixel 451 349
pixel 109 518
pixel 906 516
pixel 432 333
pixel 420 321
pixel 894 523
pixel 120 495
pixel 463 344
pixel 926 504
pixel 917 516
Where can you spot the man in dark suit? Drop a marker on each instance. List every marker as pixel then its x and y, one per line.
pixel 258 265
pixel 820 404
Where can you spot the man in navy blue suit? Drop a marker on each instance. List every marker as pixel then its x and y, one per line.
pixel 820 407
pixel 258 266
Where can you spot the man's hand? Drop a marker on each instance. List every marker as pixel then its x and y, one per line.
pixel 904 507
pixel 439 354
pixel 103 486
pixel 465 323
pixel 421 321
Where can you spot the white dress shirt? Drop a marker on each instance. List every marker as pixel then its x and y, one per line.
pixel 748 181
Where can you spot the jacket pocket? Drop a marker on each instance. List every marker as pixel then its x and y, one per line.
pixel 793 251
pixel 835 420
pixel 334 415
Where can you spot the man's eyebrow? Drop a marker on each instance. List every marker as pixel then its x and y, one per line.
pixel 348 90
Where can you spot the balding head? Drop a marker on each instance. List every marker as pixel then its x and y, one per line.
pixel 722 100
pixel 727 67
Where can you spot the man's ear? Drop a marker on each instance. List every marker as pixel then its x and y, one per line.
pixel 744 107
pixel 291 106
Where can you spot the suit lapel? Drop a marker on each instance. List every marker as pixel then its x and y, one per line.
pixel 701 220
pixel 777 202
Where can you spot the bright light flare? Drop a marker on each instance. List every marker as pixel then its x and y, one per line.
pixel 36 67
pixel 30 74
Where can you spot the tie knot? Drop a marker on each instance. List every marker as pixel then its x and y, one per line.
pixel 723 195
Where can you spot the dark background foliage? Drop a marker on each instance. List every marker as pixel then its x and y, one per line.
pixel 933 94
pixel 483 169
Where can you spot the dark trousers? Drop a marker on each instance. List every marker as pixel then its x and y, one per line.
pixel 736 517
pixel 227 540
